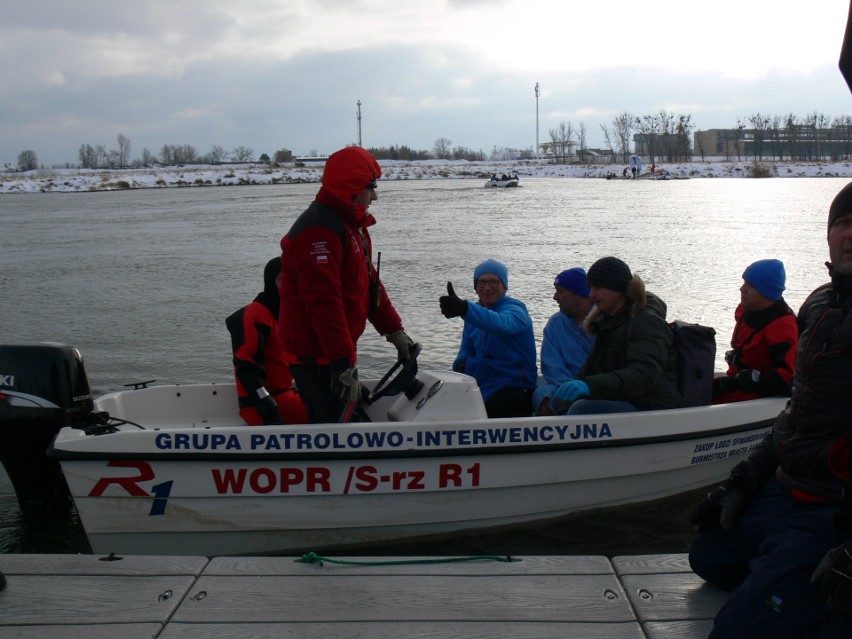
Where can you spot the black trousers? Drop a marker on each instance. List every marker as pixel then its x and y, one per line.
pixel 510 401
pixel 314 384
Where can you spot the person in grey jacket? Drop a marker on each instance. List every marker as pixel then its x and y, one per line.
pixel 633 364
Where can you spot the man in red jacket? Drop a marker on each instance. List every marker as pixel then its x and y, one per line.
pixel 329 287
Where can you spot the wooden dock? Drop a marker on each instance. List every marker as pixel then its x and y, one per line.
pixel 135 597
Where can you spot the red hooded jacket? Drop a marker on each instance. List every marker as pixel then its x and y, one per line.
pixel 327 268
pixel 765 341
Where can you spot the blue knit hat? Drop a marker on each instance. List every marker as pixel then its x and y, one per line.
pixel 768 277
pixel 492 266
pixel 573 279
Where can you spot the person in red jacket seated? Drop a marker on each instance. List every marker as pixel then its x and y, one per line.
pixel 763 347
pixel 330 288
pixel 264 382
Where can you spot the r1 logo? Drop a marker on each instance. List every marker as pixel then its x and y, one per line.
pixel 160 492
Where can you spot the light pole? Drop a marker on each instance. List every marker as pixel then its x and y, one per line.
pixel 359 123
pixel 537 92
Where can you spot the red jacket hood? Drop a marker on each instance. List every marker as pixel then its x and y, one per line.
pixel 348 171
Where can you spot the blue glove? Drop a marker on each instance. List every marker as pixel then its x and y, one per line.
pixel 572 389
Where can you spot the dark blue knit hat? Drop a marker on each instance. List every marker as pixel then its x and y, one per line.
pixel 573 279
pixel 768 277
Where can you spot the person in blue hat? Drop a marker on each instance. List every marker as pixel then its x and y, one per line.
pixel 565 344
pixel 498 345
pixel 763 346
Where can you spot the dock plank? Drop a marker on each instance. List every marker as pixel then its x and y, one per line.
pixel 407 598
pixel 408 630
pixel 139 565
pixel 83 596
pixel 84 631
pixel 673 597
pixel 651 564
pixel 295 566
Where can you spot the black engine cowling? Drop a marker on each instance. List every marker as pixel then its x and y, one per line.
pixel 43 387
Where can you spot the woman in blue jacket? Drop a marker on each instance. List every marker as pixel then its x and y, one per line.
pixel 498 346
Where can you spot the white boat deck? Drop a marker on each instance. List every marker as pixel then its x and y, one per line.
pixel 89 597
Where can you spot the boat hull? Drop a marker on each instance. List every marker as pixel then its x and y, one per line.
pixel 219 490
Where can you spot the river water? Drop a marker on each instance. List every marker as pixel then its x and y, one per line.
pixel 141 282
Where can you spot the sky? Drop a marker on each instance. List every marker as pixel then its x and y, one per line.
pixel 288 74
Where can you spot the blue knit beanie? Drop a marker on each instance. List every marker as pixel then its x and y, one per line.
pixel 492 266
pixel 574 279
pixel 768 277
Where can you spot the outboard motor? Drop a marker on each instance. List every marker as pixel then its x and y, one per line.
pixel 43 387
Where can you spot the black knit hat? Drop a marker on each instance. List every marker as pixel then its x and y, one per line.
pixel 270 275
pixel 841 205
pixel 611 273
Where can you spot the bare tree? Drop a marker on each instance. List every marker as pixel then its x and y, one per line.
pixel 242 154
pixel 581 141
pixel 622 126
pixel 760 125
pixel 649 129
pixel 683 137
pixel 566 140
pixel 554 143
pixel 843 128
pixel 147 157
pixel 775 123
pixel 817 123
pixel 123 150
pixel 609 136
pixel 739 143
pixel 88 158
pixel 217 154
pixel 443 148
pixel 791 127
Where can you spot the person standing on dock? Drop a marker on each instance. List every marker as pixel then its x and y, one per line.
pixel 777 533
pixel 330 288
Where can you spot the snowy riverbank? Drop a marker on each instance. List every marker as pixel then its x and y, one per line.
pixel 75 180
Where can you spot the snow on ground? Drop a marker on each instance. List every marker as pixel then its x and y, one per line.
pixel 70 180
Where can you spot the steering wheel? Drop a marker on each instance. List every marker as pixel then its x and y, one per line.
pixel 405 380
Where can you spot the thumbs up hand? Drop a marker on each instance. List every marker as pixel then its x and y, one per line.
pixel 451 304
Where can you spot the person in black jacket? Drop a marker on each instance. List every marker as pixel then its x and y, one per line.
pixel 778 532
pixel 633 364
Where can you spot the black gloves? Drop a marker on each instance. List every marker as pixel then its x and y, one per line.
pixel 343 378
pixel 724 504
pixel 835 576
pixel 748 381
pixel 267 408
pixel 724 385
pixel 451 304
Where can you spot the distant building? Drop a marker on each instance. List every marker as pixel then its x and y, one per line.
pixel 283 155
pixel 791 142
